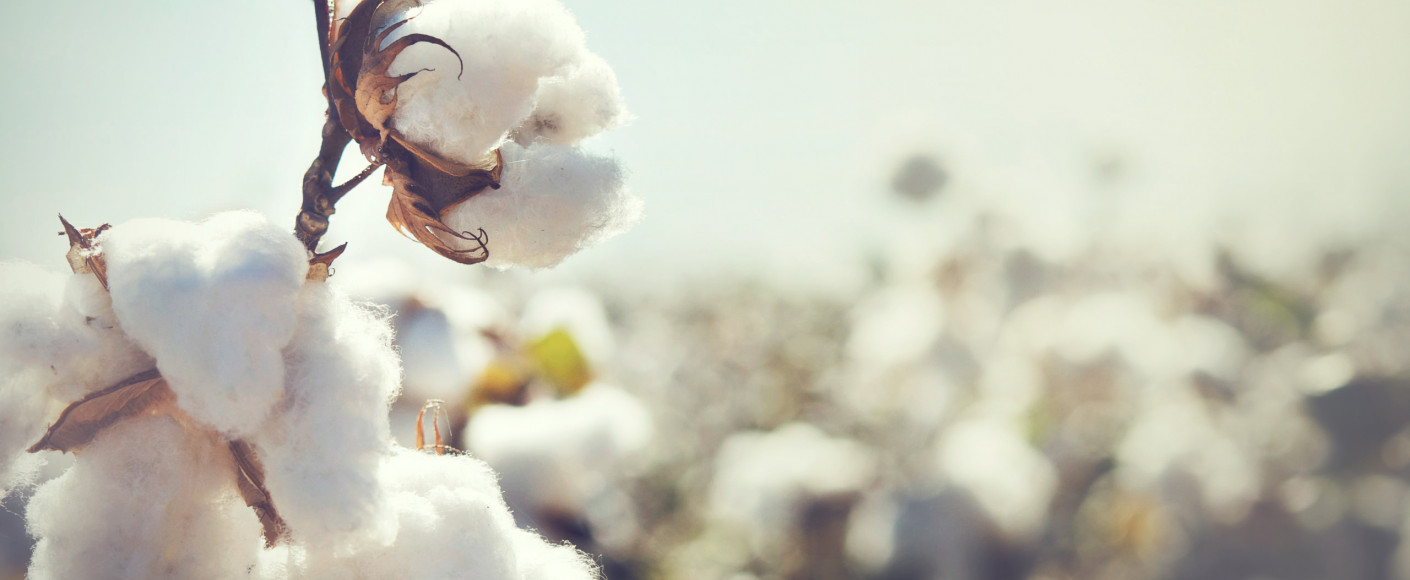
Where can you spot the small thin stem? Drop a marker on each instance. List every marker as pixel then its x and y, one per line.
pixel 338 192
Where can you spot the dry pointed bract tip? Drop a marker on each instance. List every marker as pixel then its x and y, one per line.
pixel 252 490
pixel 82 256
pixel 320 266
pixel 81 421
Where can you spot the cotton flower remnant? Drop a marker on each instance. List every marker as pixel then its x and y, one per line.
pixel 434 91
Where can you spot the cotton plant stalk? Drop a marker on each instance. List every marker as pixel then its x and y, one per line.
pixel 229 408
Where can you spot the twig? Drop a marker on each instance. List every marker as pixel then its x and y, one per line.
pixel 338 192
pixel 319 194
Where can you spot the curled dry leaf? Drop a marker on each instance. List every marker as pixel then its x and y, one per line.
pixel 253 491
pixel 80 422
pixel 364 94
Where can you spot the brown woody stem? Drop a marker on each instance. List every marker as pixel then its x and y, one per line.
pixel 312 222
pixel 319 194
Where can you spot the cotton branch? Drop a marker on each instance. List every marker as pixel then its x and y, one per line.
pixel 320 196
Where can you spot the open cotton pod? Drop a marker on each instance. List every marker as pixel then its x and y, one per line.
pixel 552 201
pixel 434 89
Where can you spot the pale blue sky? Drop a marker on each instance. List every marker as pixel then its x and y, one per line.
pixel 765 130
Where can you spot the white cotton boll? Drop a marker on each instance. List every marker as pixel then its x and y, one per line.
pixel 552 202
pixel 896 326
pixel 554 452
pixel 576 310
pixel 1174 433
pixel 540 560
pixel 990 459
pixel 582 102
pixel 505 46
pixel 23 425
pixel 323 445
pixel 443 347
pixel 762 479
pixel 214 303
pixel 451 522
pixel 58 330
pixel 58 341
pixel 149 499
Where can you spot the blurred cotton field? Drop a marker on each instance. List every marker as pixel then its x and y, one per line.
pixel 955 290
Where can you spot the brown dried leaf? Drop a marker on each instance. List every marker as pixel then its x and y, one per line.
pixel 345 62
pixel 81 421
pixel 421 194
pixel 376 94
pixel 252 490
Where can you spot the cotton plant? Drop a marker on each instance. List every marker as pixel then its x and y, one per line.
pixel 228 407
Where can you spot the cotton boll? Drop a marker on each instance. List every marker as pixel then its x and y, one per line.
pixel 1012 481
pixel 896 326
pixel 214 303
pixel 558 453
pixel 505 47
pixel 323 445
pixel 59 331
pixel 552 202
pixel 443 347
pixel 581 103
pixel 762 479
pixel 149 499
pixel 450 522
pixel 58 341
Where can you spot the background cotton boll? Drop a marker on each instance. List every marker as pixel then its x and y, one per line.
pixel 1012 481
pixel 150 499
pixel 505 46
pixel 322 447
pixel 558 453
pixel 552 202
pixel 582 102
pixel 575 310
pixel 214 303
pixel 440 339
pixel 896 325
pixel 762 480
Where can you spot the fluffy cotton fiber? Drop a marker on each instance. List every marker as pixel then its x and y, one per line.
pixel 506 46
pixel 258 350
pixel 450 522
pixel 214 303
pixel 553 201
pixel 323 445
pixel 558 453
pixel 582 102
pixel 58 341
pixel 524 72
pixel 150 498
